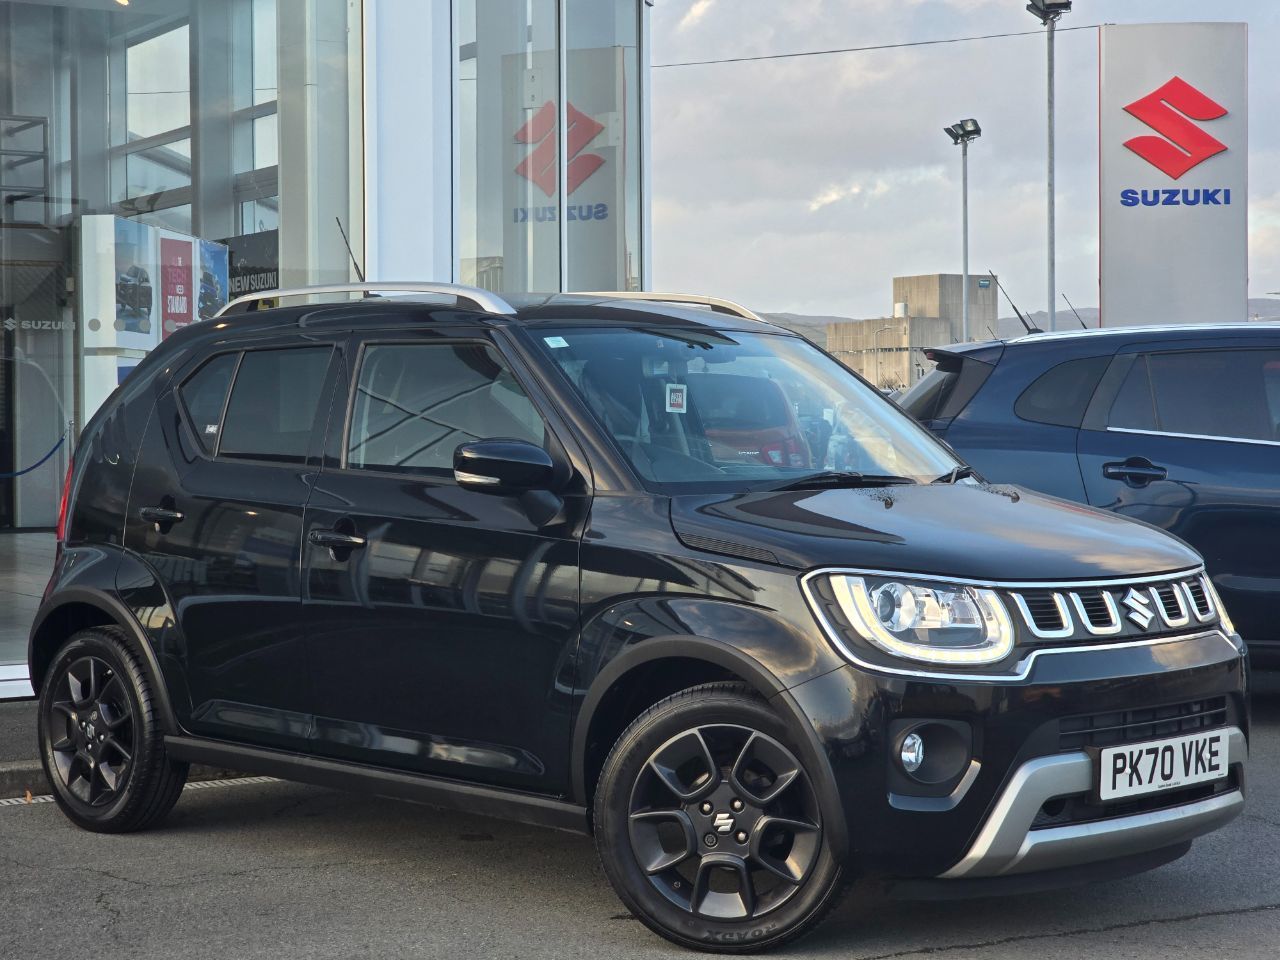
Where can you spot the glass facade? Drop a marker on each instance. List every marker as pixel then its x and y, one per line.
pixel 549 131
pixel 161 157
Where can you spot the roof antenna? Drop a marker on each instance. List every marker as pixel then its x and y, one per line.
pixel 1076 312
pixel 1025 322
pixel 350 252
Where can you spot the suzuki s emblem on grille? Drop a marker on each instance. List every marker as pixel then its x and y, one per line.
pixel 1139 605
pixel 723 823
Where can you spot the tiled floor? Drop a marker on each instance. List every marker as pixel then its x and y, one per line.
pixel 26 560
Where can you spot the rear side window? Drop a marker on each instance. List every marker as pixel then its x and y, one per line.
pixel 1060 395
pixel 1134 407
pixel 204 395
pixel 273 404
pixel 1233 394
pixel 416 403
pixel 1216 393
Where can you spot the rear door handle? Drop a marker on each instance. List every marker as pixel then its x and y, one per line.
pixel 335 540
pixel 160 515
pixel 1136 471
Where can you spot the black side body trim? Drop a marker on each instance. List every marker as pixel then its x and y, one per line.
pixel 434 791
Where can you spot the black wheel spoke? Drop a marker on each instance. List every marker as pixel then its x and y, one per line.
pixel 763 770
pixel 785 847
pixel 685 766
pixel 657 849
pixel 711 898
pixel 90 731
pixel 744 832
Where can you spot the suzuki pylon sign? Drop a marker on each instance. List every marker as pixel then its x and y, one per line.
pixel 1173 177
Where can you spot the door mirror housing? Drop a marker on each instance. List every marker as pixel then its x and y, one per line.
pixel 503 467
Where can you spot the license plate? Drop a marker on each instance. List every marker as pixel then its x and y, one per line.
pixel 1140 768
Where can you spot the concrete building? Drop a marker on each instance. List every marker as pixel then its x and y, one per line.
pixel 888 351
pixel 927 312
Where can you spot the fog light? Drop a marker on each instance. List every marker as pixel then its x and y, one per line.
pixel 912 752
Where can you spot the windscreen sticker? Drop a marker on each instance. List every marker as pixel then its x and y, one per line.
pixel 555 343
pixel 677 397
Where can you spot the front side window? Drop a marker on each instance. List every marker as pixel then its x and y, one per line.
pixel 700 407
pixel 273 404
pixel 415 404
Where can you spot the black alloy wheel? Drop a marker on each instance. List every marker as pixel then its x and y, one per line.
pixel 709 825
pixel 101 739
pixel 90 730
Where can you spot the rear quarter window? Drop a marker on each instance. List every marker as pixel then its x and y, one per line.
pixel 1061 394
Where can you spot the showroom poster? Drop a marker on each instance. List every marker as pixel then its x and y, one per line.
pixel 135 299
pixel 212 293
pixel 176 258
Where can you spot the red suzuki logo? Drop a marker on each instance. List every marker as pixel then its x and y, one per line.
pixel 1181 144
pixel 540 165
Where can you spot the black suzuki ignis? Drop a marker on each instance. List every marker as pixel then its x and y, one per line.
pixel 637 565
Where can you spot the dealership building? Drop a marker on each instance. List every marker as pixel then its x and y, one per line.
pixel 159 157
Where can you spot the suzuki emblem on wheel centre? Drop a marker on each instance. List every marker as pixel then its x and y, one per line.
pixel 723 823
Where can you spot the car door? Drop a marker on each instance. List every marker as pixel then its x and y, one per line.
pixel 1187 439
pixel 442 631
pixel 216 513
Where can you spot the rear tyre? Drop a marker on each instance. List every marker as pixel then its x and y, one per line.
pixel 708 825
pixel 101 739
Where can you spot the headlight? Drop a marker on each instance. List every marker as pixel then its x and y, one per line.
pixel 930 622
pixel 1223 619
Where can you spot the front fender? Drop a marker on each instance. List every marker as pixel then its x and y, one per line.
pixel 767 650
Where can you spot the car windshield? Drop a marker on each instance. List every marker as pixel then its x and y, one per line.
pixel 696 409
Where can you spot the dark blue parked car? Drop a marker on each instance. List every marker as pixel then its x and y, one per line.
pixel 1178 426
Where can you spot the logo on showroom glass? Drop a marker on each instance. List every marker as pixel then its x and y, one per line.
pixel 539 167
pixel 1139 605
pixel 1169 110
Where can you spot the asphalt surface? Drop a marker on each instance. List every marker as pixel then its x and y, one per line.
pixel 282 871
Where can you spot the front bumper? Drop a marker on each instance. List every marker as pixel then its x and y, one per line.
pixel 1008 843
pixel 998 820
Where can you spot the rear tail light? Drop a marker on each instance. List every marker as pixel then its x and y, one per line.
pixel 62 505
pixel 792 452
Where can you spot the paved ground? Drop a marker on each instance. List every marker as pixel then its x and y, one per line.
pixel 283 871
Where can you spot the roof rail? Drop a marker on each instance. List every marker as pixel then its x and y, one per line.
pixel 470 297
pixel 716 304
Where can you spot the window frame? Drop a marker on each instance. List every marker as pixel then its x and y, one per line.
pixel 552 444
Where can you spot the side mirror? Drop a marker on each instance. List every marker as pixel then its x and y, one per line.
pixel 503 467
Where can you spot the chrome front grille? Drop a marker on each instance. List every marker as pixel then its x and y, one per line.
pixel 1116 610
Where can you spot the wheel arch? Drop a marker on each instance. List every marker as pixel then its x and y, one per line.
pixel 660 666
pixel 80 608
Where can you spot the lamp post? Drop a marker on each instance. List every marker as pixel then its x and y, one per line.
pixel 961 133
pixel 1048 12
pixel 875 340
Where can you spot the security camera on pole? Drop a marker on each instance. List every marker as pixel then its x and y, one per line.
pixel 1048 12
pixel 961 133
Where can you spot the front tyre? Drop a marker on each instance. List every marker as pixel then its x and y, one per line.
pixel 101 740
pixel 709 827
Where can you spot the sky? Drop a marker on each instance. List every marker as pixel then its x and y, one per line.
pixel 805 185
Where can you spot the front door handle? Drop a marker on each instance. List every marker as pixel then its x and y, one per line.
pixel 1136 471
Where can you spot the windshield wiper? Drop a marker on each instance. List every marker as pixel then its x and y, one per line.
pixel 842 478
pixel 959 473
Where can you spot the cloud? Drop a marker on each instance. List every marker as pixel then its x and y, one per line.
pixel 695 13
pixel 807 184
